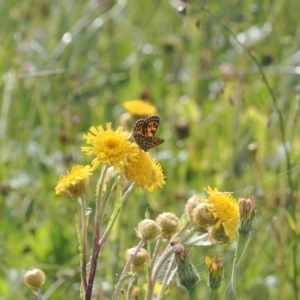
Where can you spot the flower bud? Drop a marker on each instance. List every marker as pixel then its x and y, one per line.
pixel 148 230
pixel 191 204
pixel 217 235
pixel 34 279
pixel 136 292
pixel 202 216
pixel 215 271
pixel 187 274
pixel 141 258
pixel 169 224
pixel 247 208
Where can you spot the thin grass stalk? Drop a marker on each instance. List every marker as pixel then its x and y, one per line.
pixel 292 203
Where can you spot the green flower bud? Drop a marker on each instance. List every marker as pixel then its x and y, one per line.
pixel 34 279
pixel 217 235
pixel 148 230
pixel 202 216
pixel 169 224
pixel 187 274
pixel 191 204
pixel 215 271
pixel 247 208
pixel 141 258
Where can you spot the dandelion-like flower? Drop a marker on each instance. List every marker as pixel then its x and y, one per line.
pixel 140 108
pixel 225 208
pixel 110 147
pixel 145 171
pixel 74 183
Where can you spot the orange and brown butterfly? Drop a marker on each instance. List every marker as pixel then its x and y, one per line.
pixel 143 133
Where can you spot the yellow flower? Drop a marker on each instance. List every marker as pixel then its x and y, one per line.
pixel 225 208
pixel 145 171
pixel 110 147
pixel 140 108
pixel 157 289
pixel 74 183
pixel 157 178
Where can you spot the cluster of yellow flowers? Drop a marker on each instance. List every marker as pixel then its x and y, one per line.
pixel 113 148
pixel 218 214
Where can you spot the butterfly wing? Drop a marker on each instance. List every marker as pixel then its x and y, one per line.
pixel 150 125
pixel 146 142
pixel 143 133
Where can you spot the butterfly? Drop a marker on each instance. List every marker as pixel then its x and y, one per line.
pixel 143 133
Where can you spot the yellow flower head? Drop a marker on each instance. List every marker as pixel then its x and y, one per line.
pixel 145 171
pixel 225 208
pixel 157 178
pixel 74 183
pixel 140 108
pixel 110 147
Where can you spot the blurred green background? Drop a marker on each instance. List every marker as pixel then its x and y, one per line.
pixel 67 65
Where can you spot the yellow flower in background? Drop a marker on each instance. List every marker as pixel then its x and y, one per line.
pixel 74 183
pixel 140 108
pixel 157 289
pixel 110 147
pixel 145 171
pixel 225 208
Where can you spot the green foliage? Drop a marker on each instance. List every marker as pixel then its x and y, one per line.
pixel 69 65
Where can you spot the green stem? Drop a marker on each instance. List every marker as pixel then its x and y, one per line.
pixel 38 294
pixel 172 265
pixel 193 294
pixel 96 248
pixel 150 283
pixel 213 294
pixel 114 217
pixel 160 262
pixel 238 252
pixel 126 268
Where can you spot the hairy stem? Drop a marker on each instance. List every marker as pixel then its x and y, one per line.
pixel 96 248
pixel 84 242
